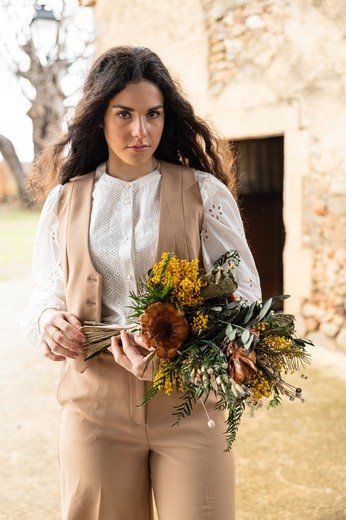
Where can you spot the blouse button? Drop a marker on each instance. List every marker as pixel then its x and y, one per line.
pixel 129 276
pixel 127 201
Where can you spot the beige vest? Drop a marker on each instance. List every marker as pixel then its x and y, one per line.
pixel 180 224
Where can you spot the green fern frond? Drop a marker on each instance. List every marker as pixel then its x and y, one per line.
pixel 187 400
pixel 232 422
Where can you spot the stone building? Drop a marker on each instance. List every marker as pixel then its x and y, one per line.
pixel 270 76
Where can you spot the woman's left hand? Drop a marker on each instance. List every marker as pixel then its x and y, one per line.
pixel 129 356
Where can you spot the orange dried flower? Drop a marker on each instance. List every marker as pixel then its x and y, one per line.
pixel 241 365
pixel 165 328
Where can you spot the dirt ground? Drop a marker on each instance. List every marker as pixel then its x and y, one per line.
pixel 290 461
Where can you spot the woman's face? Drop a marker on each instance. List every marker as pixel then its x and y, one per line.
pixel 133 125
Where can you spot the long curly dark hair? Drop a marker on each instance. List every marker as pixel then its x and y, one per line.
pixel 186 138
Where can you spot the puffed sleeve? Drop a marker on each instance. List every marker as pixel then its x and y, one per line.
pixel 223 230
pixel 47 273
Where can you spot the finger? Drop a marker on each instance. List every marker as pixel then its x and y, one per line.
pixel 119 355
pixel 130 349
pixel 115 347
pixel 74 321
pixel 128 356
pixel 59 349
pixel 49 354
pixel 60 340
pixel 138 361
pixel 70 329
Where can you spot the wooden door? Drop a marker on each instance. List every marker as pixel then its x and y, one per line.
pixel 260 178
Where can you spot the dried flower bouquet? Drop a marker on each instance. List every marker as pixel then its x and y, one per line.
pixel 205 340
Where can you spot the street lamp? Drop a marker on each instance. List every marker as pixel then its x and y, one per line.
pixel 44 29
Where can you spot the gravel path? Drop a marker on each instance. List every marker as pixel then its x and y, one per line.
pixel 30 418
pixel 290 461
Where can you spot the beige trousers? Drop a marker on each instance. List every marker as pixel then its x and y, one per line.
pixel 112 453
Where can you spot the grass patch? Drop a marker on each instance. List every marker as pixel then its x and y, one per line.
pixel 17 234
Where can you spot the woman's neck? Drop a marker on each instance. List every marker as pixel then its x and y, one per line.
pixel 128 172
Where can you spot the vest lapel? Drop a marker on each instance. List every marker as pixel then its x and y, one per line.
pixel 181 213
pixel 83 284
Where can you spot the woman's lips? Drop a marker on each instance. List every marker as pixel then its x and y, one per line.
pixel 139 148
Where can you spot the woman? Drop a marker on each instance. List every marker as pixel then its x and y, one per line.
pixel 99 232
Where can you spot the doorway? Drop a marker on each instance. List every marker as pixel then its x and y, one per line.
pixel 260 173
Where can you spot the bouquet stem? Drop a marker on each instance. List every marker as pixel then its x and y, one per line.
pixel 99 336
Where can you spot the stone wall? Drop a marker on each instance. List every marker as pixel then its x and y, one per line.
pixel 276 53
pixel 242 34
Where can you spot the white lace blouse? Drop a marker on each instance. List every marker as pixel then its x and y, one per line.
pixel 122 240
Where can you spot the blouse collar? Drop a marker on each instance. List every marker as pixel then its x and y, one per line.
pixel 106 179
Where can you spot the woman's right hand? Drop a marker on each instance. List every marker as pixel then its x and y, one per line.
pixel 60 335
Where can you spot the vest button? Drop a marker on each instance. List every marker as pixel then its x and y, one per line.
pixel 91 302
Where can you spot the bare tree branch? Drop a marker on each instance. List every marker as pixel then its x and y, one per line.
pixel 41 81
pixel 9 154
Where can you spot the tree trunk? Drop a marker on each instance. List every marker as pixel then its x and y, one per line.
pixel 46 119
pixel 47 108
pixel 9 154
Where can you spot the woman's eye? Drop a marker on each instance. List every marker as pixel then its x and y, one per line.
pixel 153 114
pixel 124 114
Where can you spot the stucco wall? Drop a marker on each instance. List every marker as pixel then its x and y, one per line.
pixel 174 29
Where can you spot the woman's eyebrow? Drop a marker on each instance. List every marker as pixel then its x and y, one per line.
pixel 155 108
pixel 123 107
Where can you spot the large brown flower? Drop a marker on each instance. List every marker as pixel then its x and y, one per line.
pixel 165 328
pixel 241 365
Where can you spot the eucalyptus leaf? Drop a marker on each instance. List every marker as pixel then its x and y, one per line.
pixel 265 309
pixel 229 328
pixel 245 336
pixel 241 315
pixel 231 333
pixel 249 342
pixel 250 348
pixel 250 312
pixel 232 305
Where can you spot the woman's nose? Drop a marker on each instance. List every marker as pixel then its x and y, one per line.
pixel 139 128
